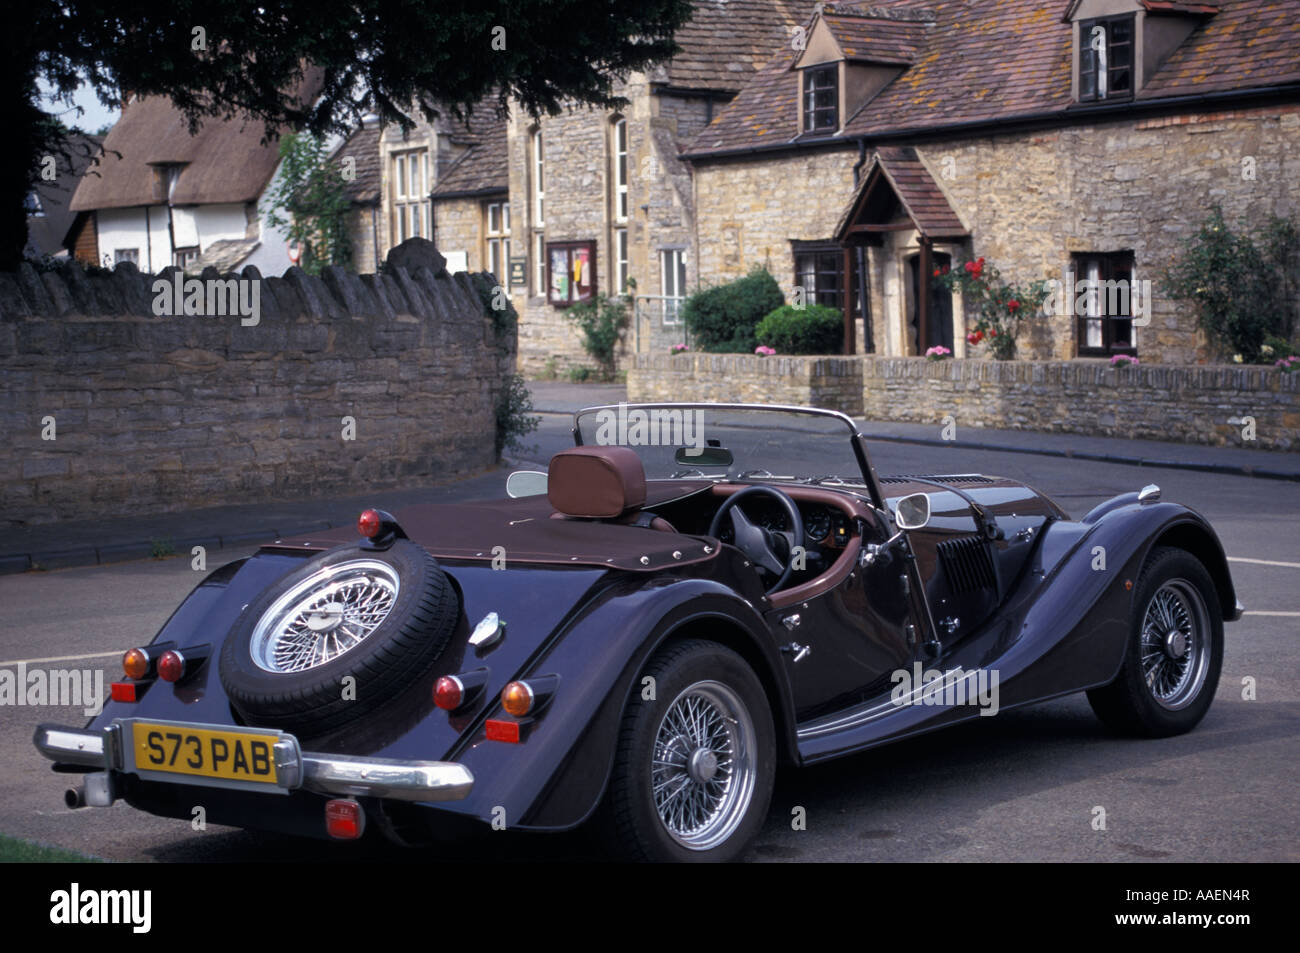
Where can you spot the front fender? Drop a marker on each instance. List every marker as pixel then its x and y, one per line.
pixel 555 777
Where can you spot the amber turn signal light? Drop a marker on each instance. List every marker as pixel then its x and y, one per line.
pixel 135 663
pixel 517 699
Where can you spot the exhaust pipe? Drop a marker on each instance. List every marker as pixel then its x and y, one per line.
pixel 75 797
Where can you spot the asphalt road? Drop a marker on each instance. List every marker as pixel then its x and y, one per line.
pixel 1024 785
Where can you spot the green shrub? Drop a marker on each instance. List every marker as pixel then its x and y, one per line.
pixel 579 374
pixel 602 322
pixel 724 318
pixel 514 416
pixel 815 329
pixel 1240 284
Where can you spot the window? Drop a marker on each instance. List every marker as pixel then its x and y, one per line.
pixel 819 271
pixel 498 239
pixel 1103 303
pixel 1106 58
pixel 539 181
pixel 620 170
pixel 126 254
pixel 672 282
pixel 571 272
pixel 620 261
pixel 538 206
pixel 821 99
pixel 181 257
pixel 410 191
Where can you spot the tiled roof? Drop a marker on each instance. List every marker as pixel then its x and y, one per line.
pixel 726 40
pixel 363 148
pixel 1005 60
pixel 916 189
pixel 1244 45
pixel 875 40
pixel 484 167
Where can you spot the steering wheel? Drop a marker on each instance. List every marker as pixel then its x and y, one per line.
pixel 755 541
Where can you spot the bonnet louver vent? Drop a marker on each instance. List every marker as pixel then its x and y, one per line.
pixel 967 564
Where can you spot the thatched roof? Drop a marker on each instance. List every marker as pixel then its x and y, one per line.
pixel 225 162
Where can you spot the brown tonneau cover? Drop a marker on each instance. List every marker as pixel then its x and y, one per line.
pixel 527 533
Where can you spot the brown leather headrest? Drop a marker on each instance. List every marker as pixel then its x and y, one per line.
pixel 596 482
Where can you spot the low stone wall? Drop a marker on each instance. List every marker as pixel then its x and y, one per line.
pixel 833 382
pixel 343 384
pixel 1217 405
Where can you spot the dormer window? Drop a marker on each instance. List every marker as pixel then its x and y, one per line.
pixel 821 99
pixel 1106 58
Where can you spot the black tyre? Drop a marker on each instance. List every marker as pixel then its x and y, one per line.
pixel 1174 651
pixel 693 770
pixel 377 617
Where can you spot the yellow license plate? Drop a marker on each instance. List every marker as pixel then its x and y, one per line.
pixel 205 752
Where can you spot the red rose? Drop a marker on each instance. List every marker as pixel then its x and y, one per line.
pixel 1013 304
pixel 993 332
pixel 975 337
pixel 936 272
pixel 945 269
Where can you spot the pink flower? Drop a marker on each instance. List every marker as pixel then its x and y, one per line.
pixel 764 351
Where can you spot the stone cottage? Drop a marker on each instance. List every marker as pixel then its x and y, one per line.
pixel 1067 141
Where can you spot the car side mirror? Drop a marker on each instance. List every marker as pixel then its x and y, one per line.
pixel 913 511
pixel 525 483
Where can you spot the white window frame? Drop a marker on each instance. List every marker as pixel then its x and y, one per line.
pixel 620 175
pixel 620 261
pixel 498 239
pixel 410 194
pixel 672 283
pixel 539 180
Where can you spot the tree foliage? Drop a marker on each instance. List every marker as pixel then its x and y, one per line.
pixel 309 201
pixel 233 58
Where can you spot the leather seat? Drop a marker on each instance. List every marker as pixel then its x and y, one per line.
pixel 600 483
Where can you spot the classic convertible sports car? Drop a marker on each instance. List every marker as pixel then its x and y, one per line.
pixel 689 596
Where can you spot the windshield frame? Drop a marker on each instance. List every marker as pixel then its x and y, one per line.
pixel 853 433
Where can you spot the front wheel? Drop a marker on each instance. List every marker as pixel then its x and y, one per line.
pixel 1174 651
pixel 695 764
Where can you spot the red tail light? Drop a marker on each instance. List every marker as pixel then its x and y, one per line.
pixel 449 693
pixel 344 819
pixel 171 666
pixel 368 523
pixel 123 692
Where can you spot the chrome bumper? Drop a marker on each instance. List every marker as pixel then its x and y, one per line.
pixel 322 773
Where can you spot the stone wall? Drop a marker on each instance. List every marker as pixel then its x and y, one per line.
pixel 1201 404
pixel 152 413
pixel 1031 201
pixel 1148 401
pixel 832 382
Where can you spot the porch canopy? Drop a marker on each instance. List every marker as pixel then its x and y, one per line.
pixel 895 194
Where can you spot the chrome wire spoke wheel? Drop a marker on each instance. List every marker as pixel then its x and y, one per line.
pixel 324 616
pixel 702 773
pixel 1175 651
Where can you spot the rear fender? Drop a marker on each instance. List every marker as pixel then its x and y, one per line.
pixel 554 779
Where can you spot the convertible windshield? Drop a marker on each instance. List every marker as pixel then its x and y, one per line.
pixel 717 441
